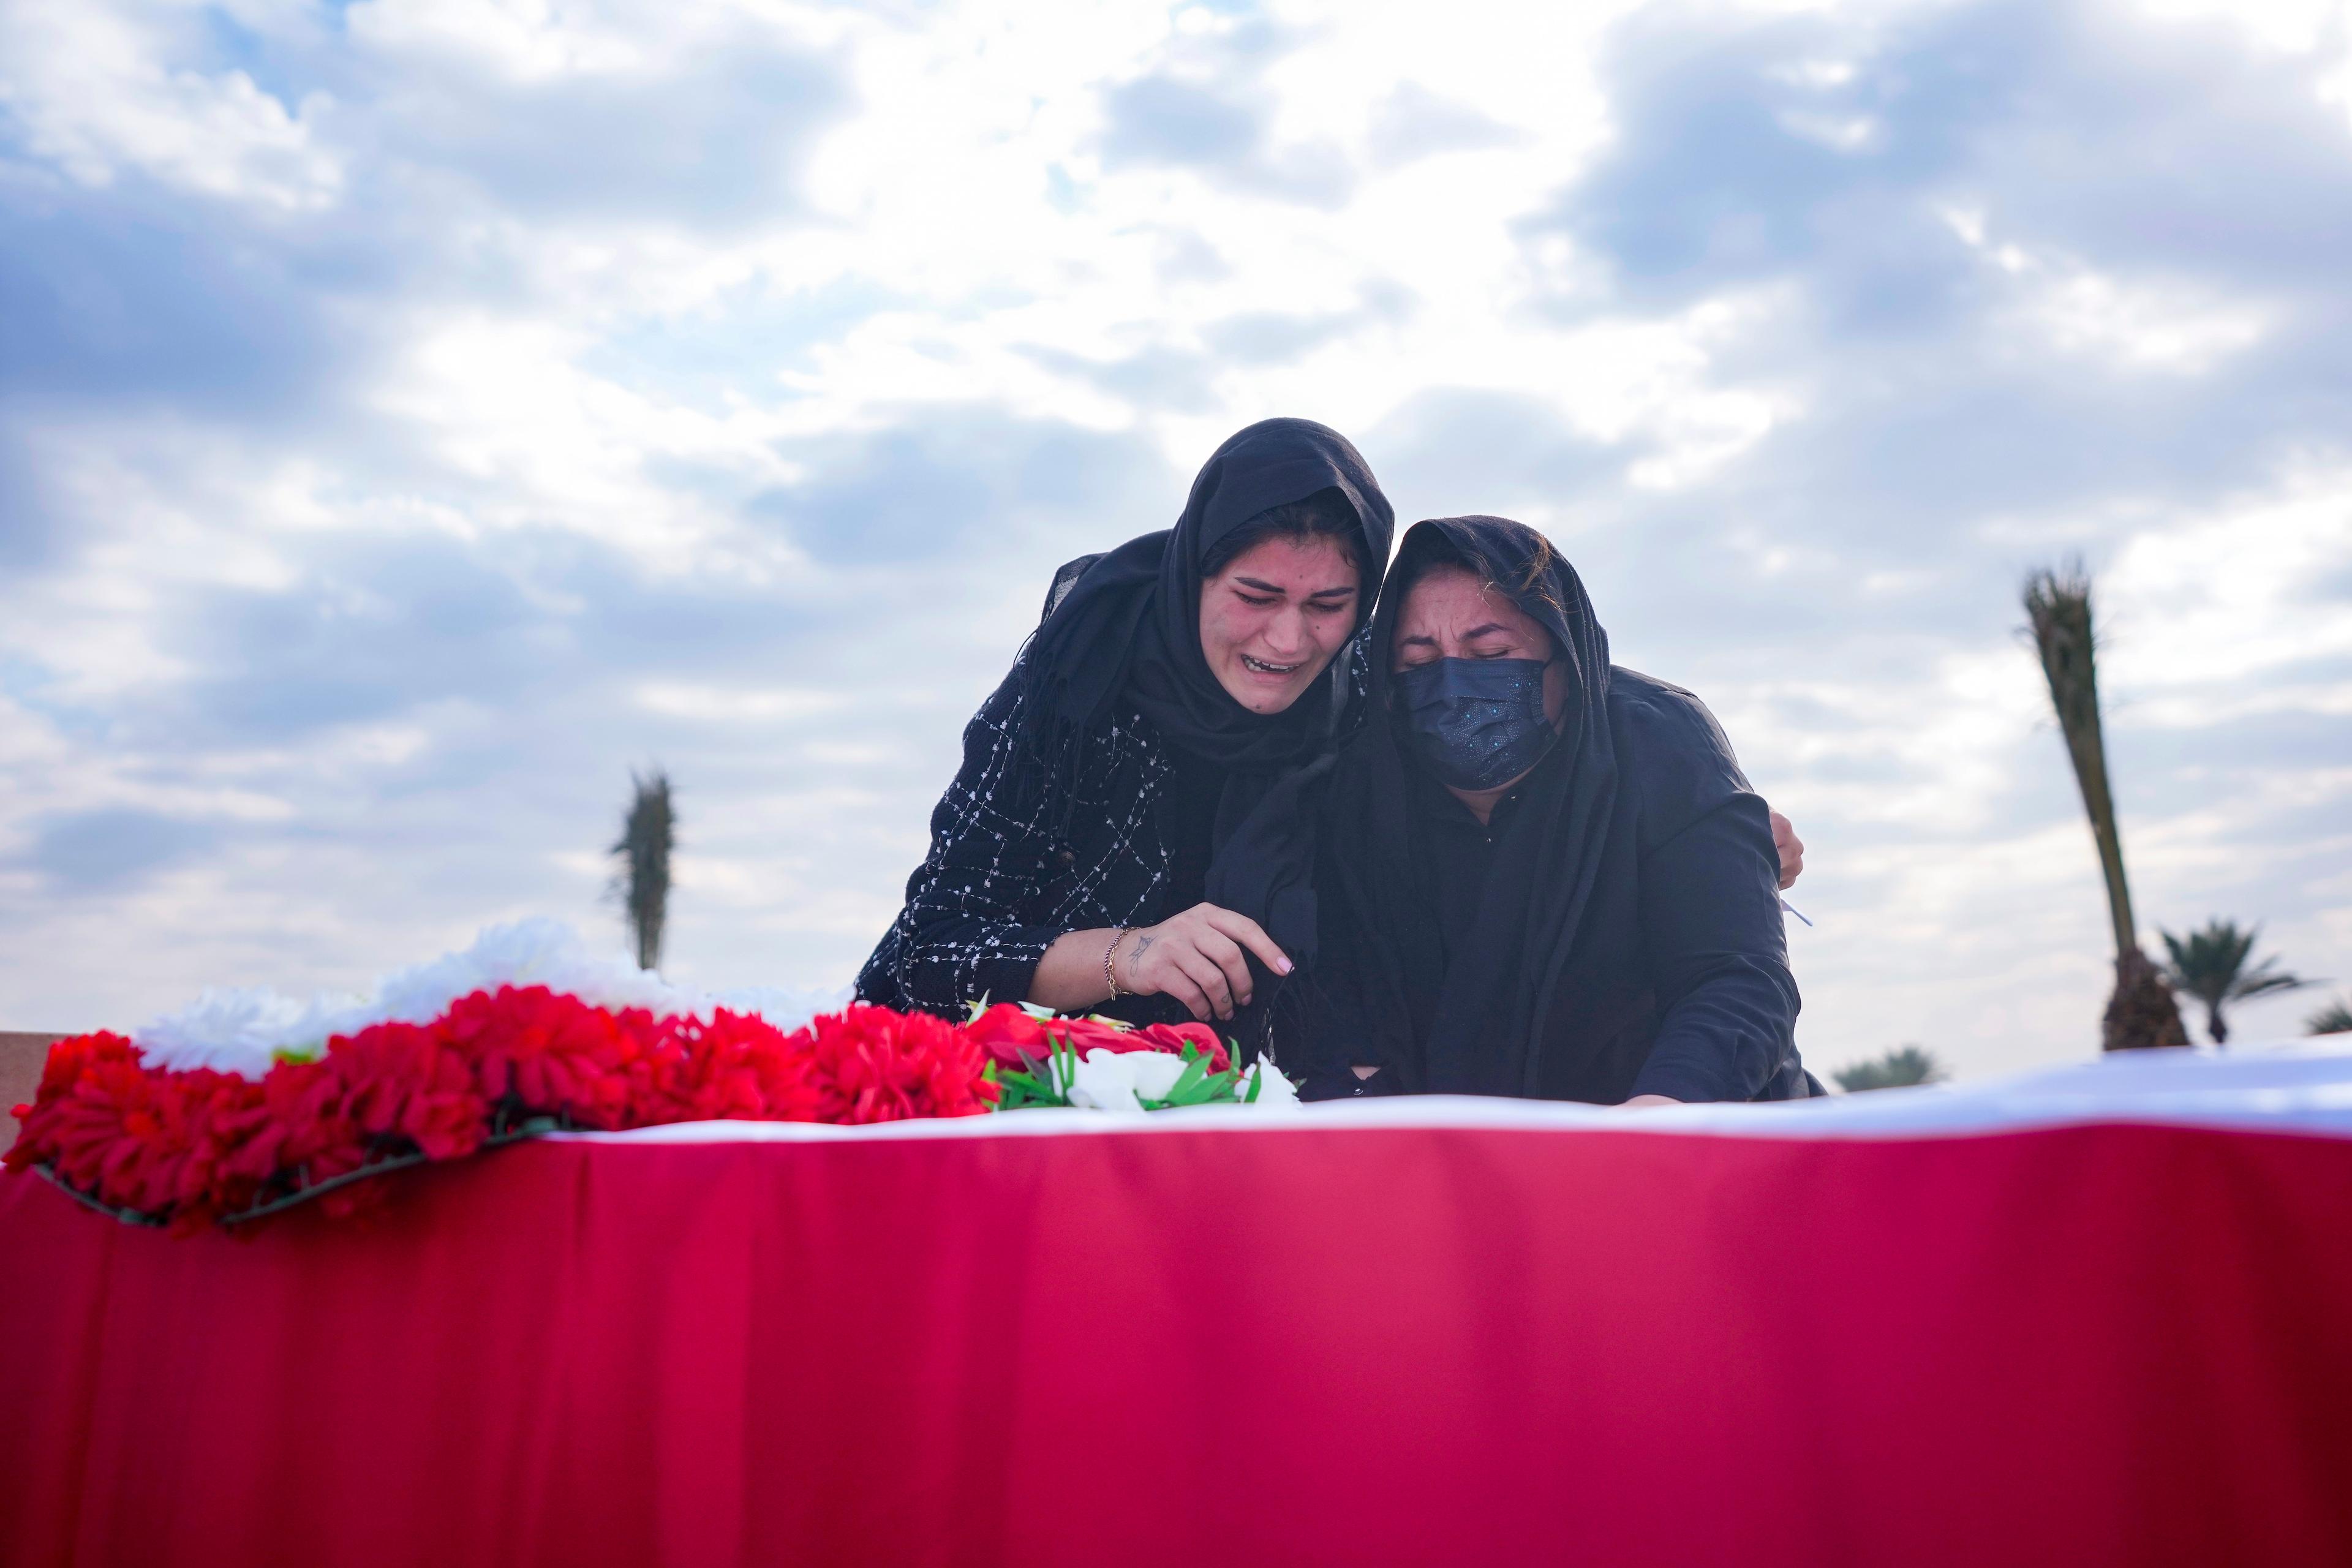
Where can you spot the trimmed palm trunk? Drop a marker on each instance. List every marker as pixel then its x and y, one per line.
pixel 643 882
pixel 2142 1012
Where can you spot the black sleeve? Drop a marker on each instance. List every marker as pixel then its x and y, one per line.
pixel 1320 1034
pixel 1710 912
pixel 960 938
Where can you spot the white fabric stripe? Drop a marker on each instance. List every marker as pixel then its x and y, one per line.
pixel 2303 1088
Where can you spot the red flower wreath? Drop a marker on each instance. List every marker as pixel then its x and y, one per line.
pixel 191 1149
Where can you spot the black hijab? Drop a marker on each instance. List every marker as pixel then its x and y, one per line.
pixel 1478 1024
pixel 1125 627
pixel 1129 627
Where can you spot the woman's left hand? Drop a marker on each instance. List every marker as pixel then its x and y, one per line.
pixel 1791 848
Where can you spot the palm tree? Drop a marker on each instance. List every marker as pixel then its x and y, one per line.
pixel 2211 965
pixel 2058 611
pixel 2336 1018
pixel 1898 1068
pixel 648 834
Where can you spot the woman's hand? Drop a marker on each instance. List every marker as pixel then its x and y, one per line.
pixel 1198 958
pixel 1791 848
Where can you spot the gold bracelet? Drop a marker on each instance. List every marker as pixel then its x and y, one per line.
pixel 1117 937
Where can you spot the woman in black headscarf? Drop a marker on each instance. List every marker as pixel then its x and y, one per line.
pixel 1555 881
pixel 1128 832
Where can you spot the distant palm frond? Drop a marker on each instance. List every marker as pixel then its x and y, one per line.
pixel 2336 1018
pixel 647 836
pixel 1898 1068
pixel 2211 965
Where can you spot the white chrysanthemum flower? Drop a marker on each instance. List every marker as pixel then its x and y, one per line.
pixel 243 1031
pixel 785 1006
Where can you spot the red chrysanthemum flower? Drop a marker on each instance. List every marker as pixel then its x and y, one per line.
pixel 138 1139
pixel 49 1127
pixel 405 1081
pixel 735 1066
pixel 219 1108
pixel 873 1065
pixel 300 1129
pixel 555 1055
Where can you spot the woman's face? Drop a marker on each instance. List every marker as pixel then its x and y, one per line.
pixel 1272 620
pixel 1450 614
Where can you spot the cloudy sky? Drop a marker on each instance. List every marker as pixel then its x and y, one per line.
pixel 416 414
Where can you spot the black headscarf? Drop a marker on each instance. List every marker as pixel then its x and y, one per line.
pixel 1130 626
pixel 1477 1024
pixel 1125 627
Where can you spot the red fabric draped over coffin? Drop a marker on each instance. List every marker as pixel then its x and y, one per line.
pixel 2095 1344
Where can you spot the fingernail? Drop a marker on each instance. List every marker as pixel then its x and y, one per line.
pixel 1286 966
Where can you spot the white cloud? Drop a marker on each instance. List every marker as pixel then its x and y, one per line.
pixel 2289 26
pixel 98 96
pixel 2154 325
pixel 1842 134
pixel 716 704
pixel 2146 327
pixel 504 403
pixel 2222 604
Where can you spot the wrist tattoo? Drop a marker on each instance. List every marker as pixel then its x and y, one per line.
pixel 1143 944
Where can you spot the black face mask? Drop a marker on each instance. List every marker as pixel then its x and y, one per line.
pixel 1477 724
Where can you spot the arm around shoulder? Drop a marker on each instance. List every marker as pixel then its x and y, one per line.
pixel 1710 908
